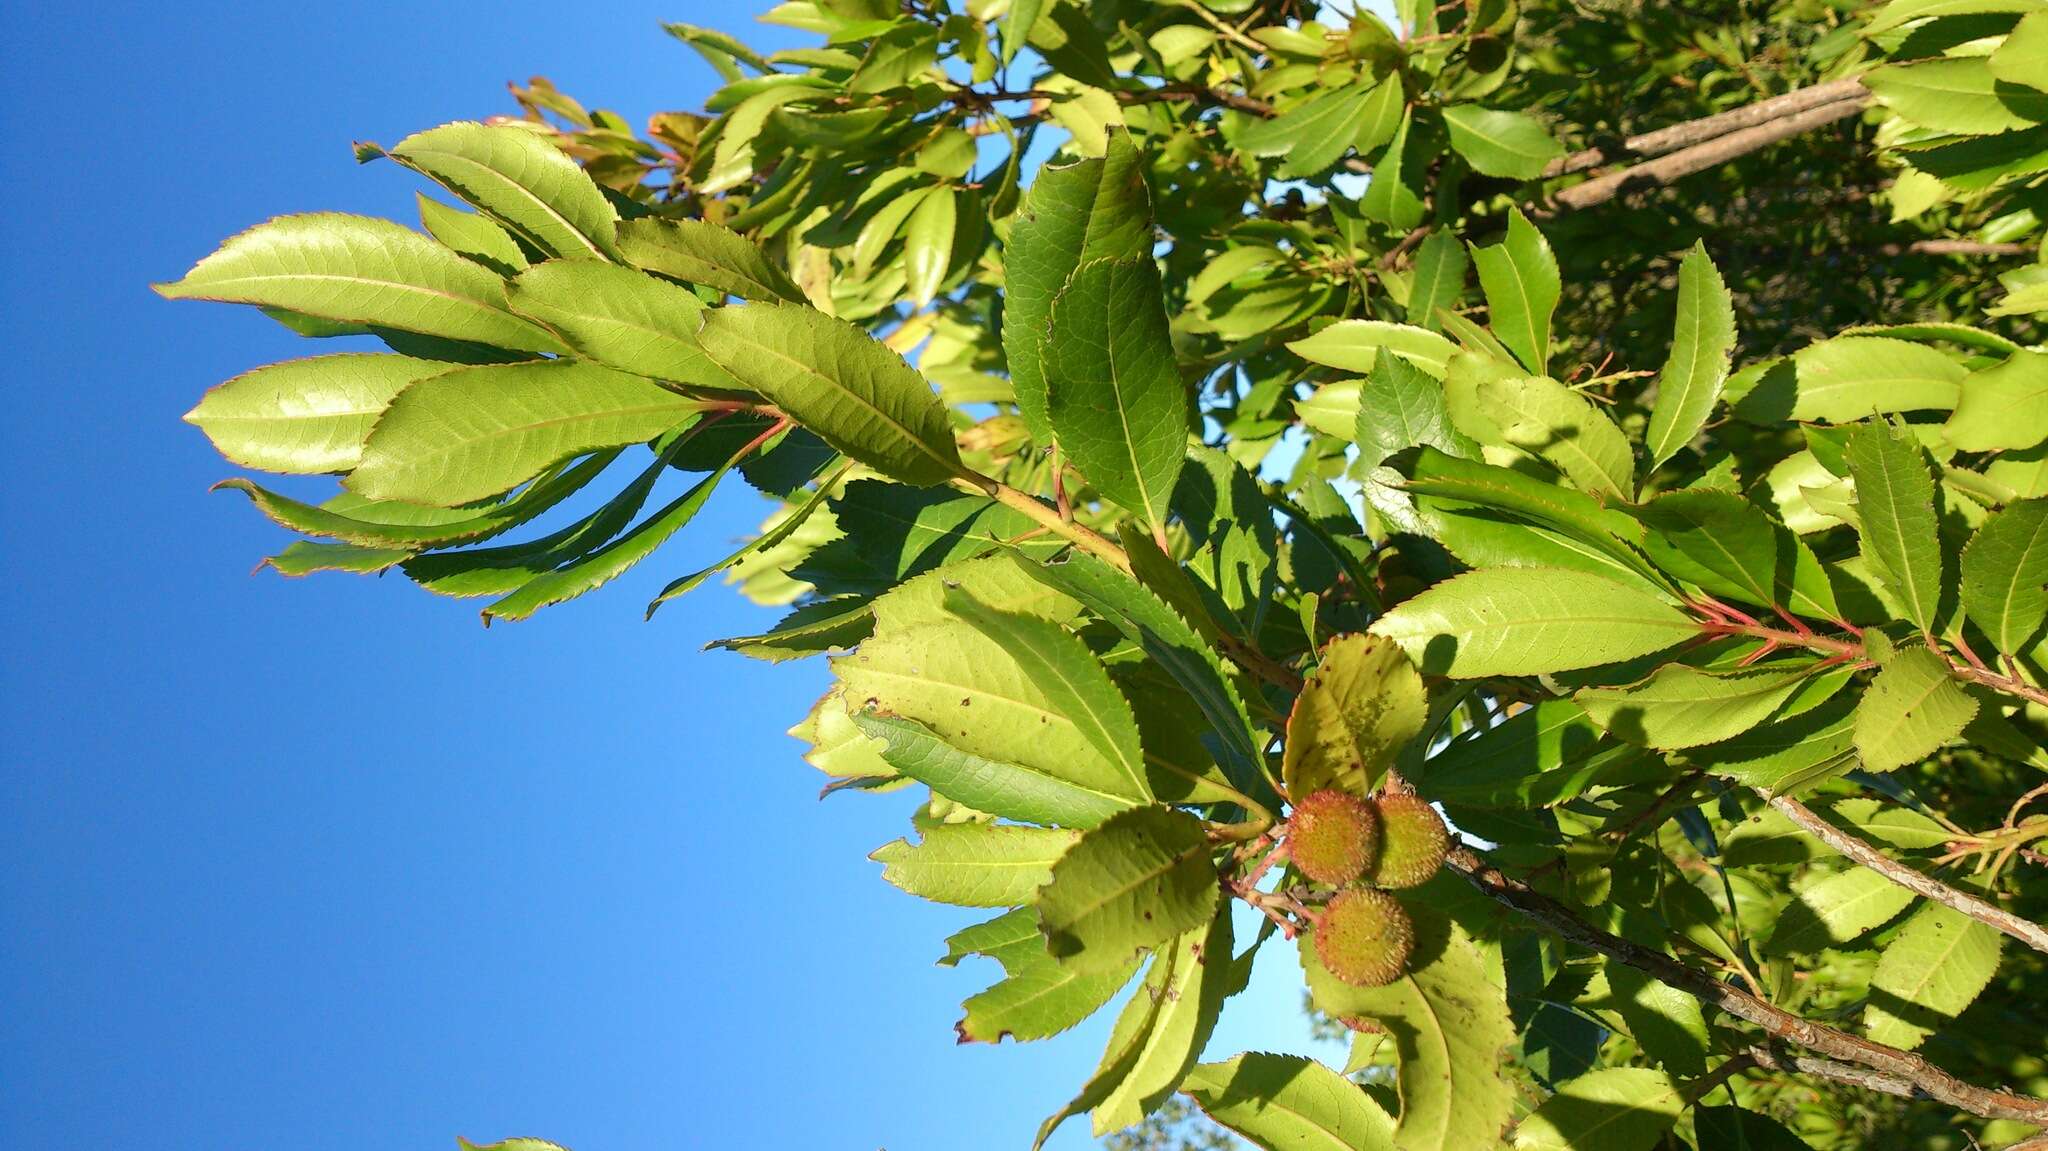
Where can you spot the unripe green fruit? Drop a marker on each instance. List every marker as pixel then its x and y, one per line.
pixel 1364 938
pixel 1412 842
pixel 1332 836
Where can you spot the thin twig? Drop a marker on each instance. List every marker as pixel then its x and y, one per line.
pixel 1925 1078
pixel 1989 914
pixel 1706 128
pixel 1698 158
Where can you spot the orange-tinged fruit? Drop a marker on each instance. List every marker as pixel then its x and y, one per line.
pixel 1412 842
pixel 1364 938
pixel 1332 836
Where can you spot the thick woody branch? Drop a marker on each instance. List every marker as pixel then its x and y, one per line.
pixel 1955 248
pixel 1706 128
pixel 1904 1067
pixel 1989 914
pixel 1864 1077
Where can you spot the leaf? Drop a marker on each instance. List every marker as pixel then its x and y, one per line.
pixel 1017 26
pixel 1528 621
pixel 607 563
pixel 1038 997
pixel 1139 879
pixel 1187 1001
pixel 305 557
pixel 1398 408
pixel 1515 762
pixel 306 416
pixel 1544 418
pixel 1510 145
pixel 520 180
pixel 1438 278
pixel 1959 95
pixel 702 252
pixel 1314 134
pixel 1935 967
pixel 1358 709
pixel 928 245
pixel 620 318
pixel 1113 395
pixel 1735 1128
pixel 1790 755
pixel 1912 708
pixel 1436 473
pixel 475 432
pixel 1520 278
pixel 1389 196
pixel 1288 1103
pixel 2023 57
pixel 974 864
pixel 2004 568
pixel 472 235
pixel 1062 726
pixel 355 269
pixel 1614 1109
pixel 1731 547
pixel 1682 706
pixel 1853 377
pixel 1690 384
pixel 1896 513
pixel 1090 210
pixel 1834 910
pixel 785 527
pixel 839 382
pixel 1001 788
pixel 1354 346
pixel 1449 1020
pixel 2003 407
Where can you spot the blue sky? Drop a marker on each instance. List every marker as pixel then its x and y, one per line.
pixel 324 863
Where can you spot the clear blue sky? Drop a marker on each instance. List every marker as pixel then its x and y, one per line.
pixel 323 863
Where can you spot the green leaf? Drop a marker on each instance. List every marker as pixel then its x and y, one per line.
pixel 1358 709
pixel 1139 879
pixel 522 181
pixel 1398 408
pixel 1515 762
pixel 928 245
pixel 1390 197
pixel 1038 997
pixel 974 864
pixel 1113 394
pixel 702 252
pixel 1438 278
pixel 1520 278
pixel 1354 346
pixel 1186 991
pixel 1287 1103
pixel 1690 383
pixel 787 526
pixel 355 269
pixel 1785 757
pixel 1731 547
pixel 620 318
pixel 1934 968
pixel 1682 706
pixel 1059 721
pixel 1510 145
pixel 1314 134
pixel 2004 569
pixel 305 557
pixel 1544 418
pixel 588 573
pixel 304 417
pixel 1167 640
pixel 1735 1128
pixel 375 523
pixel 1912 708
pixel 1614 1109
pixel 839 382
pixel 1836 909
pixel 2023 57
pixel 1434 473
pixel 1091 210
pixel 1033 793
pixel 1017 26
pixel 1896 513
pixel 1852 377
pixel 2004 407
pixel 472 235
pixel 1528 621
pixel 1959 95
pixel 475 432
pixel 1449 1020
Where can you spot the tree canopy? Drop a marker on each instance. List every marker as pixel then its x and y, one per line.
pixel 1546 502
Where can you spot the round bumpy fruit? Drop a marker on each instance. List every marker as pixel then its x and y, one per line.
pixel 1412 842
pixel 1364 938
pixel 1332 836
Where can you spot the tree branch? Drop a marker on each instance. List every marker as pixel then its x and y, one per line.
pixel 1711 153
pixel 1706 128
pixel 1989 914
pixel 1955 248
pixel 1894 1065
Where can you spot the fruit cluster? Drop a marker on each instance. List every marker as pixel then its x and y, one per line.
pixel 1365 847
